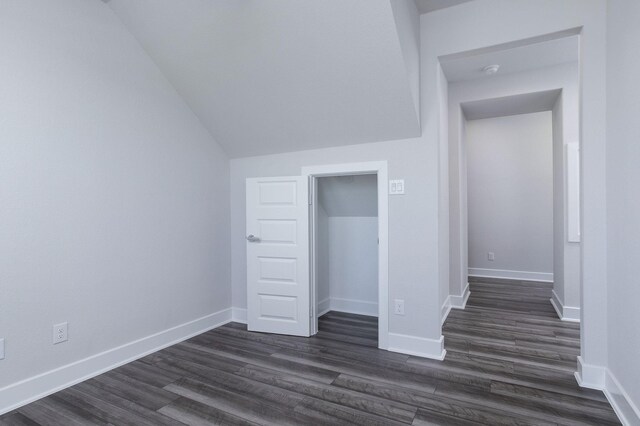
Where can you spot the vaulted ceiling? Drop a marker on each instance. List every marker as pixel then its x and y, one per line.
pixel 269 76
pixel 426 6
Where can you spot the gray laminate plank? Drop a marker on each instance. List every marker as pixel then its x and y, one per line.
pixel 368 403
pixel 194 413
pixel 17 419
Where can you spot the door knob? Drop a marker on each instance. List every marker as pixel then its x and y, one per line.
pixel 252 238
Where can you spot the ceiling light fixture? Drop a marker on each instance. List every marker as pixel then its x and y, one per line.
pixel 491 69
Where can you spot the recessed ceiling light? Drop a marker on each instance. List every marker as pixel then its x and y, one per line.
pixel 491 69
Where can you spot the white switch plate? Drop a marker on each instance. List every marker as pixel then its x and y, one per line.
pixel 491 256
pixel 60 333
pixel 396 187
pixel 398 307
pixel 2 348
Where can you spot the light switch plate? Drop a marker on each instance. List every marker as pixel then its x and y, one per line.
pixel 2 348
pixel 396 187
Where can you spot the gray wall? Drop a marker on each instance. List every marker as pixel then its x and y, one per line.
pixel 510 192
pixel 115 200
pixel 623 202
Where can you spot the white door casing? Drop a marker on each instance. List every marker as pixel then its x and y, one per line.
pixel 278 290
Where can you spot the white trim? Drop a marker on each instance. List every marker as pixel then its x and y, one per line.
pixel 565 313
pixel 239 315
pixel 21 393
pixel 460 302
pixel 572 170
pixel 623 405
pixel 381 169
pixel 417 346
pixel 445 309
pixel 359 307
pixel 513 275
pixel 590 376
pixel 324 306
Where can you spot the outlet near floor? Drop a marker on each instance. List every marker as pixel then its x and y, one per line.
pixel 60 333
pixel 399 307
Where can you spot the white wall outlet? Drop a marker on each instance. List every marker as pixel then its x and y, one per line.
pixel 60 333
pixel 398 307
pixel 491 256
pixel 2 348
pixel 396 187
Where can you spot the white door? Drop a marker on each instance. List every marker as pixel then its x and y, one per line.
pixel 278 255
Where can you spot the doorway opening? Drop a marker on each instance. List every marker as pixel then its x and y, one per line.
pixel 349 250
pixel 346 253
pixel 512 133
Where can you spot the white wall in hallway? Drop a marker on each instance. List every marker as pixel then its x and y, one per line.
pixel 510 192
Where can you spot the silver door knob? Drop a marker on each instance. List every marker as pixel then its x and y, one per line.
pixel 252 238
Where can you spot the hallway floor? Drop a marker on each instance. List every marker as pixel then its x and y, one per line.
pixel 510 360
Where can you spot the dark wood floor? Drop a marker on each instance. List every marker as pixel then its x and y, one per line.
pixel 509 361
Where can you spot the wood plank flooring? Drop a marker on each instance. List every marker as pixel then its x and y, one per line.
pixel 509 361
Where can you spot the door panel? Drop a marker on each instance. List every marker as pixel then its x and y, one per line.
pixel 278 255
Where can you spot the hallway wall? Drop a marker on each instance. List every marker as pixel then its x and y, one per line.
pixel 510 193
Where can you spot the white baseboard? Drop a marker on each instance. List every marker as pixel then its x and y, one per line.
pixel 590 376
pixel 460 302
pixel 625 408
pixel 351 306
pixel 417 346
pixel 239 315
pixel 445 309
pixel 511 275
pixel 36 387
pixel 324 306
pixel 565 313
pixel 454 302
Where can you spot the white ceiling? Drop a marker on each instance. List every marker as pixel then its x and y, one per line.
pixel 511 105
pixel 349 196
pixel 269 76
pixel 512 60
pixel 426 6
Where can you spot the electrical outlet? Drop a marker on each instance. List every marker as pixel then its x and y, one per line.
pixel 60 333
pixel 399 307
pixel 2 348
pixel 491 256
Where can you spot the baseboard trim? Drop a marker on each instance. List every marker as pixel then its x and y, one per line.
pixel 627 411
pixel 324 306
pixel 590 376
pixel 565 313
pixel 417 346
pixel 36 387
pixel 460 302
pixel 512 275
pixel 350 306
pixel 239 315
pixel 445 309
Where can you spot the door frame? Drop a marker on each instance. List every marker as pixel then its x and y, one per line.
pixel 380 169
